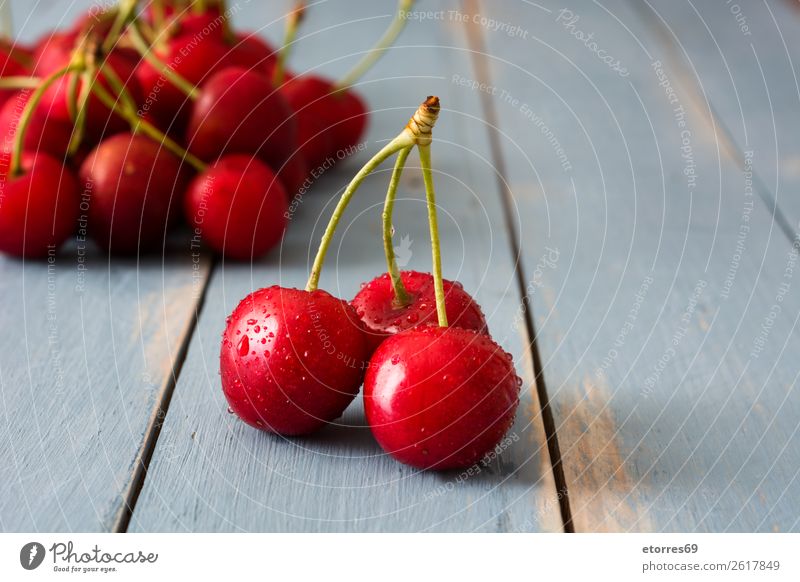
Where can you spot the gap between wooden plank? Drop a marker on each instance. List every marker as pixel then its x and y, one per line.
pixel 686 79
pixel 142 463
pixel 478 56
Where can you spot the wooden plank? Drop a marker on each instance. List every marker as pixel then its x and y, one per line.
pixel 667 364
pixel 84 366
pixel 85 361
pixel 743 59
pixel 212 473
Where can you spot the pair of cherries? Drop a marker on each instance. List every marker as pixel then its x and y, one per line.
pixel 435 397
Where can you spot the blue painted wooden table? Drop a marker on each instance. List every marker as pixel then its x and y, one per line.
pixel 617 184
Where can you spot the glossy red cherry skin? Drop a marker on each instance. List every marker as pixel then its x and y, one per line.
pixel 195 59
pixel 238 206
pixel 313 118
pixel 10 66
pixel 250 51
pixel 291 361
pixel 208 23
pixel 135 189
pixel 329 121
pixel 440 398
pixel 375 305
pixel 353 119
pixel 44 133
pixel 238 111
pixel 39 208
pixel 293 174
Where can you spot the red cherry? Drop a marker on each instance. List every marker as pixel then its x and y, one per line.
pixel 238 206
pixel 135 189
pixel 238 111
pixel 375 305
pixel 353 118
pixel 210 22
pixel 38 208
pixel 11 65
pixel 21 54
pixel 99 119
pixel 192 57
pixel 50 50
pixel 44 133
pixel 340 116
pixel 291 361
pixel 313 118
pixel 293 174
pixel 252 52
pixel 440 398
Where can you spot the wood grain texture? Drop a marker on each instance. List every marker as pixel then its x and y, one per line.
pixel 84 361
pixel 744 61
pixel 668 323
pixel 86 357
pixel 210 472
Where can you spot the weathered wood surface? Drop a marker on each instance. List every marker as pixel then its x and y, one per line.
pixel 666 313
pixel 673 384
pixel 210 472
pixel 744 59
pixel 86 357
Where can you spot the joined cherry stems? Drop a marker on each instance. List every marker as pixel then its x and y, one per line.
pixel 401 296
pixel 146 51
pixel 418 132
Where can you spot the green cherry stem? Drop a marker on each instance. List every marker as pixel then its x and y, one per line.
pixel 293 20
pixel 376 52
pixel 110 75
pixel 400 294
pixel 157 10
pixel 417 131
pixel 72 96
pixel 20 82
pixel 399 143
pixel 421 128
pixel 124 12
pixel 81 106
pixel 139 125
pixel 430 196
pixel 144 49
pixel 27 114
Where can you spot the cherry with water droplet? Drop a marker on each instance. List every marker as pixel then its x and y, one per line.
pixel 299 381
pixel 377 306
pixel 440 397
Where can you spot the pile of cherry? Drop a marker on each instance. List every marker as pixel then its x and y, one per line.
pixel 149 112
pixel 439 393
